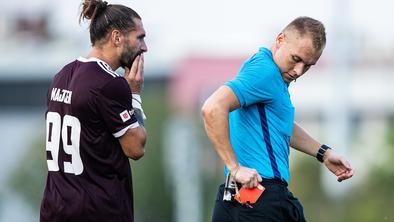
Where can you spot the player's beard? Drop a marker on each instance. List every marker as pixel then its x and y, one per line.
pixel 128 55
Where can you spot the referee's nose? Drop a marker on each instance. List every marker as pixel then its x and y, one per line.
pixel 299 69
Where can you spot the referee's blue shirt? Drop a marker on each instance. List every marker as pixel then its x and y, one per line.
pixel 261 128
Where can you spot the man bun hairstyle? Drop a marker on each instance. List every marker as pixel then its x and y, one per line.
pixel 308 26
pixel 106 17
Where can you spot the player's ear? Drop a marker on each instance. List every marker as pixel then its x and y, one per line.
pixel 116 37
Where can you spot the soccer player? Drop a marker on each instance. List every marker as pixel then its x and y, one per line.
pixel 250 121
pixel 95 122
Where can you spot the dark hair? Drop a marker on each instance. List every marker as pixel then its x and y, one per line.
pixel 105 17
pixel 314 28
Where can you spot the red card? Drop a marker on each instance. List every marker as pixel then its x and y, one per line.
pixel 250 196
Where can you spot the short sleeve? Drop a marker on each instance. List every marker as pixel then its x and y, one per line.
pixel 255 82
pixel 115 107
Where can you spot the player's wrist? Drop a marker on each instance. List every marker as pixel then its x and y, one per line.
pixel 137 106
pixel 136 90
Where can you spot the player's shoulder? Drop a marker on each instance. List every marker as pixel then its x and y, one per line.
pixel 116 88
pixel 68 68
pixel 97 66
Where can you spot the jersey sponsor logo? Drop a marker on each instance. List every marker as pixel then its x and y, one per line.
pixel 125 115
pixel 61 95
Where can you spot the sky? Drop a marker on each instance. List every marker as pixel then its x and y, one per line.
pixel 177 29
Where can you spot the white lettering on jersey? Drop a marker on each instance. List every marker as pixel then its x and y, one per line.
pixel 61 95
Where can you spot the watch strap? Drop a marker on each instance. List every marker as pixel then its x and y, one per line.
pixel 321 152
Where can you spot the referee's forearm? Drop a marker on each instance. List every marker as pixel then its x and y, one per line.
pixel 302 141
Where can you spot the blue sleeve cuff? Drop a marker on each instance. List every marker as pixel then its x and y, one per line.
pixel 237 92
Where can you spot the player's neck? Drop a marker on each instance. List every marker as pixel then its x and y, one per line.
pixel 104 55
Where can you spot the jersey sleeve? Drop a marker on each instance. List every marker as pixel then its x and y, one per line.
pixel 115 106
pixel 255 82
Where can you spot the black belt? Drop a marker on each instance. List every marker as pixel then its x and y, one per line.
pixel 274 181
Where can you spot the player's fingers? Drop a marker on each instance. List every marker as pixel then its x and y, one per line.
pixel 126 72
pixel 141 63
pixel 139 78
pixel 140 71
pixel 134 67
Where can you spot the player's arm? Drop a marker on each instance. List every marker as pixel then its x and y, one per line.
pixel 337 164
pixel 133 142
pixel 215 113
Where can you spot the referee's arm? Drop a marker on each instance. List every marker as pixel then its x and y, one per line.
pixel 337 164
pixel 215 113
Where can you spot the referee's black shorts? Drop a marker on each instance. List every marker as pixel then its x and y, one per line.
pixel 277 203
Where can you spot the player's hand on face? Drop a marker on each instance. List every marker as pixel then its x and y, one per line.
pixel 248 177
pixel 338 165
pixel 135 74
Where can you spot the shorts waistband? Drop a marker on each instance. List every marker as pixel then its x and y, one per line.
pixel 273 181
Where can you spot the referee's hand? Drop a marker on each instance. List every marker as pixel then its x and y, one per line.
pixel 338 165
pixel 248 177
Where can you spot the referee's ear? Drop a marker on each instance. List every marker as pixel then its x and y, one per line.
pixel 280 39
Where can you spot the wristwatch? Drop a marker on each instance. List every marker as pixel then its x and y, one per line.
pixel 321 152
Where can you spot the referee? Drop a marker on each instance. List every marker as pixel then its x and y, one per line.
pixel 250 122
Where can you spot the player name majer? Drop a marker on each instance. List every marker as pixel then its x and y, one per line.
pixel 61 95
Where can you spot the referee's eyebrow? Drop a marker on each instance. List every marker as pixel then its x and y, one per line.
pixel 301 60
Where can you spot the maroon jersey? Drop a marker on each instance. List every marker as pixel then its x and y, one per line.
pixel 89 176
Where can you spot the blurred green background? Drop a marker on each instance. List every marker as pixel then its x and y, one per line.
pixel 371 200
